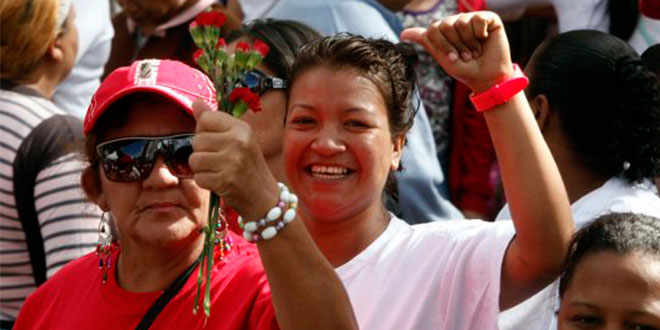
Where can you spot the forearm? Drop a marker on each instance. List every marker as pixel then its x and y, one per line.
pixel 306 291
pixel 537 198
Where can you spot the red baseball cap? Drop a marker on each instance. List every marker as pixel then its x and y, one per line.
pixel 174 80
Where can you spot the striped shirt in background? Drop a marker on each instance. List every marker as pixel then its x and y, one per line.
pixel 67 223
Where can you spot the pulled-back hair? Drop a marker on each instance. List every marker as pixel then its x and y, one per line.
pixel 620 233
pixel 607 100
pixel 284 38
pixel 651 58
pixel 27 29
pixel 388 66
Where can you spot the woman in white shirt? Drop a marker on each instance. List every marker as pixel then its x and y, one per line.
pixel 598 108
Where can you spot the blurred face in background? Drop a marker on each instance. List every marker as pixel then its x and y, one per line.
pixel 153 12
pixel 68 42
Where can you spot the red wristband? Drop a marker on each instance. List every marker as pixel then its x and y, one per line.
pixel 502 92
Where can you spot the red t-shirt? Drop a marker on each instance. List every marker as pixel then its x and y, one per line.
pixel 75 298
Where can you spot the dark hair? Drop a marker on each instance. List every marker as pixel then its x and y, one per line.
pixel 284 38
pixel 624 15
pixel 651 58
pixel 386 65
pixel 621 233
pixel 608 102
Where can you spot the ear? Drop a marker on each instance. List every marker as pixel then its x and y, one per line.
pixel 397 150
pixel 541 109
pixel 55 51
pixel 91 184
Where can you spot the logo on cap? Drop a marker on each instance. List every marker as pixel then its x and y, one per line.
pixel 147 72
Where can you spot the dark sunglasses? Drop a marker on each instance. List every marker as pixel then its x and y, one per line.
pixel 131 159
pixel 258 82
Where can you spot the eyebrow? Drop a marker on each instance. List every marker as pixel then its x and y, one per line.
pixel 349 110
pixel 583 304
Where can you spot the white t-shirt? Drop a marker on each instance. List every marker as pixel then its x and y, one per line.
pixel 439 275
pixel 616 195
pixel 95 34
pixel 571 14
pixel 253 9
pixel 646 34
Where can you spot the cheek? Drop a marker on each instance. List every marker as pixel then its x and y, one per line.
pixel 294 143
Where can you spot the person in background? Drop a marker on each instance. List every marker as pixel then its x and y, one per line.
pixel 647 32
pixel 651 58
pixel 421 193
pixel 153 177
pixel 95 34
pixel 45 221
pixel 612 276
pixel 158 29
pixel 598 108
pixel 618 17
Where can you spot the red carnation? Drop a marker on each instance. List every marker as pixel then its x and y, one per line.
pixel 221 43
pixel 243 46
pixel 245 94
pixel 193 25
pixel 197 54
pixel 211 18
pixel 261 47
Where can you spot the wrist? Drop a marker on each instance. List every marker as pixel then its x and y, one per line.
pixel 505 73
pixel 501 92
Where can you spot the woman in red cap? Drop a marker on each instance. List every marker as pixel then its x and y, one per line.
pixel 140 133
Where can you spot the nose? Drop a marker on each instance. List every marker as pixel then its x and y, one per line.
pixel 161 176
pixel 328 142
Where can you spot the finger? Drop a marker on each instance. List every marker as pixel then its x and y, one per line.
pixel 214 121
pixel 210 141
pixel 211 181
pixel 201 162
pixel 467 35
pixel 415 35
pixel 440 46
pixel 449 30
pixel 480 27
pixel 199 107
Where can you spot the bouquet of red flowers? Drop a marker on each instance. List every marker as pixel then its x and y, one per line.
pixel 226 71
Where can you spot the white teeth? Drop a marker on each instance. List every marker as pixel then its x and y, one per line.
pixel 332 170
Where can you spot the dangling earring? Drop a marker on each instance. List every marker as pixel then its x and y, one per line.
pixel 104 247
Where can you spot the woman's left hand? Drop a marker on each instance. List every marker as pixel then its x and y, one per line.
pixel 227 160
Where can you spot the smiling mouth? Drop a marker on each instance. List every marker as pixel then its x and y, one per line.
pixel 329 172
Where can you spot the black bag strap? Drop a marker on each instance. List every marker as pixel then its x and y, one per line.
pixel 160 303
pixel 50 140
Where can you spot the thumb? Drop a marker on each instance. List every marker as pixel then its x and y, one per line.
pixel 199 107
pixel 415 35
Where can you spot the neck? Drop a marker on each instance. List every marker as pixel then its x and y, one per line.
pixel 148 269
pixel 46 83
pixel 341 240
pixel 578 179
pixel 420 5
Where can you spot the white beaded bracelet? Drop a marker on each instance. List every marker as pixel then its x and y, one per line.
pixel 285 209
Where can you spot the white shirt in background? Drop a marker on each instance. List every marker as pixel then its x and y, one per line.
pixel 95 34
pixel 438 275
pixel 253 9
pixel 571 14
pixel 646 34
pixel 616 195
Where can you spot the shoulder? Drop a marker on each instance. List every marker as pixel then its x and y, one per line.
pixel 637 198
pixel 66 279
pixel 446 238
